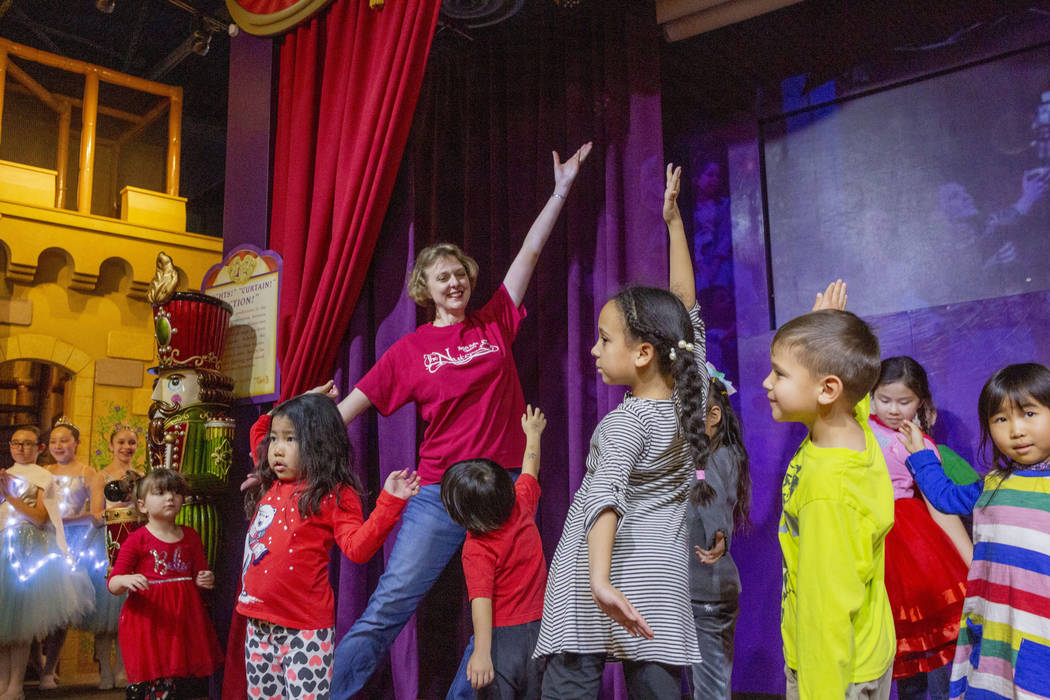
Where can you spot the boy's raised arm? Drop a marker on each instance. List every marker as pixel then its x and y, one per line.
pixel 532 422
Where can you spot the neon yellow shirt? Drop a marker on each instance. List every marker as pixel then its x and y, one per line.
pixel 835 615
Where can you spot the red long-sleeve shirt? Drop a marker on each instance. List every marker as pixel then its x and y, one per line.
pixel 285 574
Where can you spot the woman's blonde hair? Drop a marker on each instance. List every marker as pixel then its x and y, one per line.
pixel 417 279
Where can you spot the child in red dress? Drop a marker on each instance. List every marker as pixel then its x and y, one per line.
pixel 165 634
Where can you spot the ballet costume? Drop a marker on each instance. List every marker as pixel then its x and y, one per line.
pixel 41 586
pixel 925 575
pixel 86 541
pixel 107 606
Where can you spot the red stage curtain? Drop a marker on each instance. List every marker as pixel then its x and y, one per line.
pixel 348 86
pixel 349 82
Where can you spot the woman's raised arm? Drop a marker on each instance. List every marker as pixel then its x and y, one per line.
pixel 520 272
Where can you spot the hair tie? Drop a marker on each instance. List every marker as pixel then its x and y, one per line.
pixel 713 373
pixel 682 345
pixel 700 475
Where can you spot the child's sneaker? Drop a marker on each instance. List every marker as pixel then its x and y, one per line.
pixel 48 682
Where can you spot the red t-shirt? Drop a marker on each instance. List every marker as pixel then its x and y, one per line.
pixel 284 578
pixel 463 379
pixel 508 565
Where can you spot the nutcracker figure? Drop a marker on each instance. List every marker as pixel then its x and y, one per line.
pixel 190 428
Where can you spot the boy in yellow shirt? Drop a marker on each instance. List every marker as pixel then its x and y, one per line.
pixel 838 506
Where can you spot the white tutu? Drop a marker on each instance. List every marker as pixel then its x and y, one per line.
pixel 40 590
pixel 87 546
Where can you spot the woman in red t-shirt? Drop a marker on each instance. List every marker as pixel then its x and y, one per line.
pixel 459 371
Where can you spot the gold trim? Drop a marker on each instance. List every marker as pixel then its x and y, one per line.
pixel 274 22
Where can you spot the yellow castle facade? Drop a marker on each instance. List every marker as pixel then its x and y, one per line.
pixel 73 279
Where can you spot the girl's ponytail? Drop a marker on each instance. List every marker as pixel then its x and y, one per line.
pixel 692 413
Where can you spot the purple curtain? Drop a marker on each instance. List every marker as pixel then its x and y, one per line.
pixel 477 169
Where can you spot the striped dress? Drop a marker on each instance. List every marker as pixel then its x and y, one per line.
pixel 639 465
pixel 1004 637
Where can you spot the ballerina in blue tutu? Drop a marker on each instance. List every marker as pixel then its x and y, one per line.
pixel 41 587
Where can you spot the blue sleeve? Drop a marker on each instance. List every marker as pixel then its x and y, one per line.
pixel 945 495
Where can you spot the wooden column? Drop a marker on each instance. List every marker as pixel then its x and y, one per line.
pixel 87 143
pixel 174 143
pixel 3 79
pixel 114 196
pixel 63 155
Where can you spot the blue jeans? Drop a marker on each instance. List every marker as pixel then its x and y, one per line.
pixel 426 542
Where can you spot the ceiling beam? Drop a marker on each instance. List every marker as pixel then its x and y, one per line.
pixel 718 15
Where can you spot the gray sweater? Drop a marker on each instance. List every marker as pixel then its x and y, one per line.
pixel 719 581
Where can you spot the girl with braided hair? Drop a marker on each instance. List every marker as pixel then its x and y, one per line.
pixel 618 587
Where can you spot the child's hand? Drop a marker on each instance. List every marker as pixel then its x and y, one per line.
pixel 328 389
pixel 911 437
pixel 614 604
pixel 133 582
pixel 251 481
pixel 533 421
pixel 710 556
pixel 402 484
pixel 834 297
pixel 205 579
pixel 671 190
pixel 480 671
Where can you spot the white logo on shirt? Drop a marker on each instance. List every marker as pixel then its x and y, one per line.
pixel 433 361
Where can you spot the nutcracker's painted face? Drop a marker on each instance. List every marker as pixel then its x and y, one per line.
pixel 179 387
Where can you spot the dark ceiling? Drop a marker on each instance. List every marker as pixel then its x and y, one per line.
pixel 736 68
pixel 856 42
pixel 141 37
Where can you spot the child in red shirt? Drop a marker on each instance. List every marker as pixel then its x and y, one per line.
pixel 307 499
pixel 504 565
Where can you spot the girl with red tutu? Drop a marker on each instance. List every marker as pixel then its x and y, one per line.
pixel 167 639
pixel 928 553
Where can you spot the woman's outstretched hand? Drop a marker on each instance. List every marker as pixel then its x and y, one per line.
pixel 565 173
pixel 614 604
pixel 328 389
pixel 671 190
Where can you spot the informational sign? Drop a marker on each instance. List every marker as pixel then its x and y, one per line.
pixel 249 281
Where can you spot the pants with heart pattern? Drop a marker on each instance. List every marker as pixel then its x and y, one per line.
pixel 288 663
